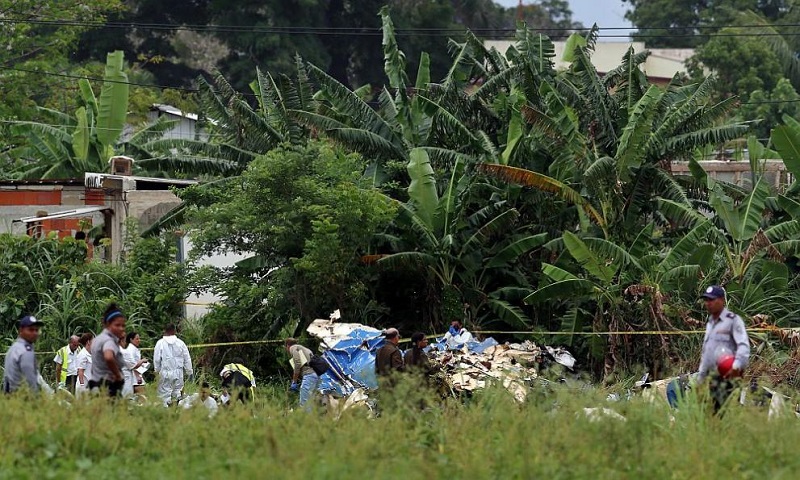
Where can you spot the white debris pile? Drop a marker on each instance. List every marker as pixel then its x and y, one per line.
pixel 474 366
pixel 514 365
pixel 330 333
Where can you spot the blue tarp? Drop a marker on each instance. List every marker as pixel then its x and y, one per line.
pixel 352 362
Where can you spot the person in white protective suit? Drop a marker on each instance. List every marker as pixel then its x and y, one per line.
pixel 171 361
pixel 457 335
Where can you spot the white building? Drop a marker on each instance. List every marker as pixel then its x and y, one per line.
pixel 660 67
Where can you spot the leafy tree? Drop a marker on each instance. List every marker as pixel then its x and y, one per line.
pixel 36 37
pixel 676 24
pixel 740 64
pixel 161 51
pixel 767 108
pixel 306 216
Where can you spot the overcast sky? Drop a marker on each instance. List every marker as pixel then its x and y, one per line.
pixel 605 13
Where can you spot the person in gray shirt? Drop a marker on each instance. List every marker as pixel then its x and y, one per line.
pixel 107 358
pixel 20 364
pixel 725 336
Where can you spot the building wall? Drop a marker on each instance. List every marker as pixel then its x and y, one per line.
pixel 184 128
pixel 199 304
pixel 660 66
pixel 19 201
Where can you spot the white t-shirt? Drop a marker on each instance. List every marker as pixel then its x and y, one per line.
pixel 84 361
pixel 72 360
pixel 194 399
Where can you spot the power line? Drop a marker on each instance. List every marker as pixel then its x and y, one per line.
pixel 245 94
pixel 98 79
pixel 365 31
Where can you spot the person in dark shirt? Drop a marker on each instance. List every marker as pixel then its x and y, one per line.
pixel 416 358
pixel 389 359
pixel 238 380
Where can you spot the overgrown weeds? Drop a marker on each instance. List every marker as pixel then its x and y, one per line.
pixel 490 436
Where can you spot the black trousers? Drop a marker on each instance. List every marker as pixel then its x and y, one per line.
pixel 71 381
pixel 114 388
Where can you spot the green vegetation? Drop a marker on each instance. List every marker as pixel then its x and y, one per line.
pixel 506 193
pixel 52 280
pixel 489 437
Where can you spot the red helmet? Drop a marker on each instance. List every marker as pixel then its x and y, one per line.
pixel 725 363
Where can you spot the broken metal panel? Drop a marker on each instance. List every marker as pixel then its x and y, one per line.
pixel 350 349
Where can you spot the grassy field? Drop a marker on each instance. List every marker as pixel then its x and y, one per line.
pixel 489 436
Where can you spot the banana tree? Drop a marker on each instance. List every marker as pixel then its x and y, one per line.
pixel 470 253
pixel 599 285
pixel 85 142
pixel 88 140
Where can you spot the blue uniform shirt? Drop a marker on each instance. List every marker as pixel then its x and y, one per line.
pixel 727 332
pixel 20 366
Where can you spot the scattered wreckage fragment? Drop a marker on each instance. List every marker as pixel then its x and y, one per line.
pixel 350 350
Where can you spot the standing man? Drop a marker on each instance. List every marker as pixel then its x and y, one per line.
pixel 66 361
pixel 300 357
pixel 389 359
pixel 725 335
pixel 415 357
pixel 20 364
pixel 171 361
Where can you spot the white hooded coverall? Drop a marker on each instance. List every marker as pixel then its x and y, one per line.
pixel 171 361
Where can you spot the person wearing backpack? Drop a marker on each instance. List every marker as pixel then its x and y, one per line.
pixel 300 360
pixel 171 361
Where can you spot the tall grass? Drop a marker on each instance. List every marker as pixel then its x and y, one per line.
pixel 489 436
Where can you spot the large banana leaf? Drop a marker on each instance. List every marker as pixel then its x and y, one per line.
pixel 631 149
pixel 88 95
pixel 422 189
pixel 542 182
pixel 744 220
pixel 679 213
pixel 601 269
pixel 686 246
pixel 446 210
pixel 393 58
pixel 557 274
pixel 509 254
pixel 112 107
pixel 423 72
pixel 570 289
pixel 81 136
pixel 610 253
pixel 790 206
pixel 783 231
pixel 493 227
pixel 509 314
pixel 786 139
pixel 641 244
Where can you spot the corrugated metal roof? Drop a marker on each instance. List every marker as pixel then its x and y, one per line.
pixel 75 212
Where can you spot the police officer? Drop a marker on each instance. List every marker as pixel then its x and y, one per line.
pixel 20 364
pixel 725 336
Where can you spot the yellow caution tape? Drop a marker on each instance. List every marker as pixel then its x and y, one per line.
pixel 516 332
